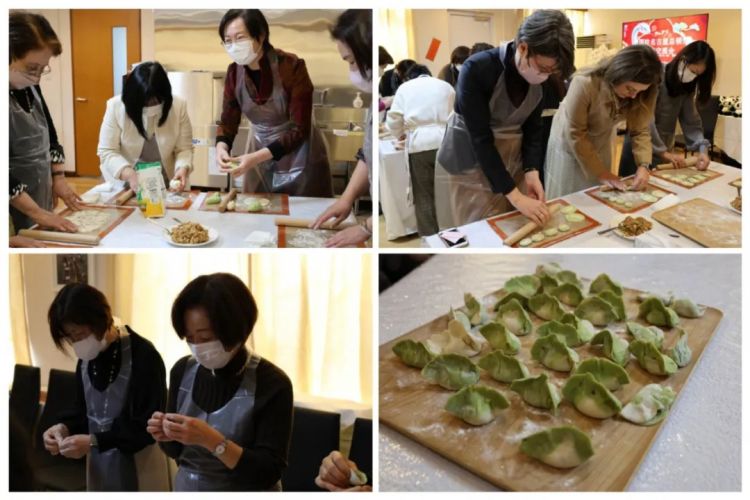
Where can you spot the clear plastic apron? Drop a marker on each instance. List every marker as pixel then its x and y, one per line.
pixel 29 157
pixel 302 172
pixel 462 192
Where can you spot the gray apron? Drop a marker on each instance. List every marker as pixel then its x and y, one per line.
pixel 29 157
pixel 198 469
pixel 302 172
pixel 462 192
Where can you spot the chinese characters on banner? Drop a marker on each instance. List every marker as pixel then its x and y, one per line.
pixel 666 35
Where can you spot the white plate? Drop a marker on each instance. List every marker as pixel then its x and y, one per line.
pixel 621 217
pixel 213 235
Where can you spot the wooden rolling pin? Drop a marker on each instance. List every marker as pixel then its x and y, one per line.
pixel 689 162
pixel 229 197
pixel 305 223
pixel 123 197
pixel 527 229
pixel 81 239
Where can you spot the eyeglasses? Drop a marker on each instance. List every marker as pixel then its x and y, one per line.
pixel 240 38
pixel 543 70
pixel 38 72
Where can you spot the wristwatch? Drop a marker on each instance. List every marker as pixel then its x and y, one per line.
pixel 220 448
pixel 93 442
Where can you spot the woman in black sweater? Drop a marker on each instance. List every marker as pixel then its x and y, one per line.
pixel 229 412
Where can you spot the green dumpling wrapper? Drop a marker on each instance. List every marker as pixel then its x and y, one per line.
pixel 562 447
pixel 596 310
pixel 584 327
pixel 604 282
pixel 681 352
pixel 500 338
pixel 451 371
pixel 546 306
pixel 651 359
pixel 591 397
pixel 613 347
pixel 455 340
pixel 413 353
pixel 656 313
pixel 475 310
pixel 524 301
pixel 213 199
pixel 567 331
pixel 552 352
pixel 514 317
pixel 527 285
pixel 608 373
pixel 568 293
pixel 646 333
pixel 650 405
pixel 687 308
pixel 476 404
pixel 566 276
pixel 614 300
pixel 548 283
pixel 502 367
pixel 537 391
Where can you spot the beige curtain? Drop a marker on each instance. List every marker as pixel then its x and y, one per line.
pixel 396 33
pixel 18 326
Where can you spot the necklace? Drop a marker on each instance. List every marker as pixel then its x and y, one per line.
pixel 113 364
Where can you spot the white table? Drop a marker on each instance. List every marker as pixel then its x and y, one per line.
pixel 136 232
pixel 718 191
pixel 399 214
pixel 699 445
pixel 728 136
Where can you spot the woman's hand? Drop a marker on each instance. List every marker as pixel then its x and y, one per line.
pixel 349 237
pixel 609 179
pixel 640 181
pixel 339 210
pixel 703 161
pixel 129 175
pixel 190 431
pixel 48 219
pixel 53 438
pixel 77 446
pixel 223 158
pixel 181 174
pixel 676 160
pixel 61 189
pixel 155 427
pixel 246 163
pixel 24 242
pixel 534 188
pixel 334 474
pixel 534 210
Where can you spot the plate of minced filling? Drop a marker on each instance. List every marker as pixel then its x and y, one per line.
pixel 191 234
pixel 629 227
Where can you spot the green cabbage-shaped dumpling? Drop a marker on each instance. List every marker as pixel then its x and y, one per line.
pixel 665 299
pixel 524 301
pixel 455 340
pixel 552 352
pixel 514 317
pixel 681 352
pixel 614 300
pixel 548 283
pixel 604 282
pixel 568 294
pixel 584 327
pixel 537 391
pixel 613 347
pixel 502 367
pixel 413 353
pixel 651 359
pixel 590 397
pixel 687 308
pixel 656 313
pixel 562 447
pixel 546 306
pixel 526 285
pixel 476 404
pixel 566 331
pixel 566 276
pixel 476 311
pixel 608 373
pixel 596 310
pixel 650 405
pixel 551 269
pixel 500 338
pixel 451 371
pixel 646 333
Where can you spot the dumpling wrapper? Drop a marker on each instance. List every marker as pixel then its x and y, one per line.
pixel 411 353
pixel 500 338
pixel 646 333
pixel 502 367
pixel 553 353
pixel 651 359
pixel 650 405
pixel 455 340
pixel 591 397
pixel 596 310
pixel 613 347
pixel 514 317
pixel 608 373
pixel 537 391
pixel 562 447
pixel 476 404
pixel 546 307
pixel 451 371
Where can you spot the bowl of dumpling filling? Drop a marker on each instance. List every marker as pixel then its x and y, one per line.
pixel 190 234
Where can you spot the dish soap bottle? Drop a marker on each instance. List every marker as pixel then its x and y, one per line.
pixel 357 103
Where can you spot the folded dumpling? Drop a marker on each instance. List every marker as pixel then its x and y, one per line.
pixel 413 353
pixel 568 332
pixel 537 391
pixel 500 339
pixel 513 316
pixel 687 308
pixel 596 310
pixel 651 359
pixel 656 313
pixel 455 340
pixel 646 333
pixel 527 285
pixel 681 352
pixel 614 300
pixel 475 310
pixel 563 447
pixel 568 294
pixel 590 397
pixel 451 371
pixel 613 347
pixel 524 301
pixel 650 405
pixel 604 282
pixel 584 327
pixel 552 352
pixel 545 306
pixel 502 367
pixel 476 404
pixel 608 373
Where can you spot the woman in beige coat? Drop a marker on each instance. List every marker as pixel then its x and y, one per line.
pixel 621 88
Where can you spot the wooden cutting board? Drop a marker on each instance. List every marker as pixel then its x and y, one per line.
pixel 302 237
pixel 414 407
pixel 114 216
pixel 631 201
pixel 185 201
pixel 675 176
pixel 704 222
pixel 279 203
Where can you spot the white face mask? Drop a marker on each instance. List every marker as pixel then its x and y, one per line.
pixel 154 110
pixel 20 80
pixel 686 76
pixel 530 74
pixel 365 85
pixel 241 52
pixel 89 348
pixel 211 355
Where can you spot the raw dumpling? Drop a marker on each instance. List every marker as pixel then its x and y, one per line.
pixel 665 299
pixel 596 310
pixel 537 237
pixel 357 477
pixel 650 405
pixel 500 339
pixel 687 308
pixel 651 359
pixel 568 209
pixel 563 447
pixel 545 306
pixel 548 284
pixel 513 316
pixel 476 311
pixel 613 347
pixel 646 333
pixel 681 352
pixel 566 276
pixel 476 404
pixel 550 232
pixel 537 391
pixel 451 371
pixel 568 294
pixel 614 300
pixel 455 340
pixel 526 285
pixel 604 282
pixel 656 313
pixel 569 333
pixel 609 374
pixel 575 217
pixel 563 228
pixel 552 352
pixel 584 327
pixel 524 301
pixel 413 353
pixel 591 397
pixel 503 368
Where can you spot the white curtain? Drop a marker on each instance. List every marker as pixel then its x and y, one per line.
pixel 395 33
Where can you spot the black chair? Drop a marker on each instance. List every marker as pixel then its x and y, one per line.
pixel 24 398
pixel 361 450
pixel 57 473
pixel 315 434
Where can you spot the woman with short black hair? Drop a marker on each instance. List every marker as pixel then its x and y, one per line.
pixel 121 382
pixel 146 124
pixel 449 72
pixel 229 414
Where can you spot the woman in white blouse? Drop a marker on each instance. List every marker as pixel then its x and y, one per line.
pixel 146 124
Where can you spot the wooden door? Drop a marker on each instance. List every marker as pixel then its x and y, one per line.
pixel 93 73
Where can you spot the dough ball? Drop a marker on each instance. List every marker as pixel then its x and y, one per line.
pixel 568 209
pixel 648 198
pixel 563 228
pixel 575 217
pixel 550 232
pixel 525 242
pixel 537 237
pixel 628 204
pixel 656 193
pixel 175 184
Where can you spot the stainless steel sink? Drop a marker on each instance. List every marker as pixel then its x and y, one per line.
pixel 326 116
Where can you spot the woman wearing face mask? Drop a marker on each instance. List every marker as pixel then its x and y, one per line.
pixel 686 83
pixel 35 156
pixel 229 413
pixel 492 149
pixel 146 124
pixel 353 35
pixel 449 72
pixel 579 151
pixel 121 382
pixel 272 88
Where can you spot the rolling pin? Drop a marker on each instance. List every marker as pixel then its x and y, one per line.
pixel 527 229
pixel 123 197
pixel 689 162
pixel 229 197
pixel 81 239
pixel 305 223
